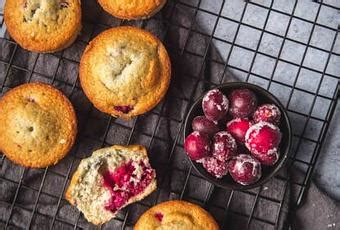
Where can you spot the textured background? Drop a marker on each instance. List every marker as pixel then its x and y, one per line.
pixel 164 131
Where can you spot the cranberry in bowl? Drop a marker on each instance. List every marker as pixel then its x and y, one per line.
pixel 256 136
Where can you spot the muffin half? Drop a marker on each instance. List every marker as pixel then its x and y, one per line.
pixel 109 180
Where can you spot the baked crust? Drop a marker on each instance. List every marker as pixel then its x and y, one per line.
pixel 176 213
pixel 79 172
pixel 44 26
pixel 38 125
pixel 133 9
pixel 125 66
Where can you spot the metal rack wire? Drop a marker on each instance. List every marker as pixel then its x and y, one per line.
pixel 176 179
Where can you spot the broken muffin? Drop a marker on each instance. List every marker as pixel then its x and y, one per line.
pixel 109 180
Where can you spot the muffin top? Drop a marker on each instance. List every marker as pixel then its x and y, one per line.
pixel 43 25
pixel 176 214
pixel 38 125
pixel 132 9
pixel 125 71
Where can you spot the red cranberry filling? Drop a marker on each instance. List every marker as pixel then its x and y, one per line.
pixel 123 108
pixel 159 216
pixel 124 184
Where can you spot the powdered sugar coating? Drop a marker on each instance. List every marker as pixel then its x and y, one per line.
pixel 215 167
pixel 268 158
pixel 224 146
pixel 254 129
pixel 269 113
pixel 262 140
pixel 245 169
pixel 215 105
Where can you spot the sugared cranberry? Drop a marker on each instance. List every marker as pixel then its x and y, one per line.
pixel 204 125
pixel 269 113
pixel 243 103
pixel 197 145
pixel 245 169
pixel 215 105
pixel 262 140
pixel 238 128
pixel 123 108
pixel 215 167
pixel 224 146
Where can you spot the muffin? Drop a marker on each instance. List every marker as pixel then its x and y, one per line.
pixel 134 9
pixel 125 71
pixel 44 26
pixel 109 180
pixel 176 214
pixel 38 125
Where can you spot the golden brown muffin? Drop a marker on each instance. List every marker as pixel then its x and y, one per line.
pixel 109 180
pixel 176 214
pixel 132 9
pixel 43 25
pixel 38 125
pixel 125 71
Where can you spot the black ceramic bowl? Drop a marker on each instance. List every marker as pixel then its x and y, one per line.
pixel 268 172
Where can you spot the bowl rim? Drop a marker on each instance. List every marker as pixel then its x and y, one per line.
pixel 278 166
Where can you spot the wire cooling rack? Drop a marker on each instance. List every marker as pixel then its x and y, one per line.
pixel 34 198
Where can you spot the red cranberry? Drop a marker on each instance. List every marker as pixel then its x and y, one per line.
pixel 159 216
pixel 215 167
pixel 262 140
pixel 244 169
pixel 123 183
pixel 238 128
pixel 197 145
pixel 123 108
pixel 224 146
pixel 204 125
pixel 215 105
pixel 243 102
pixel 118 199
pixel 269 113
